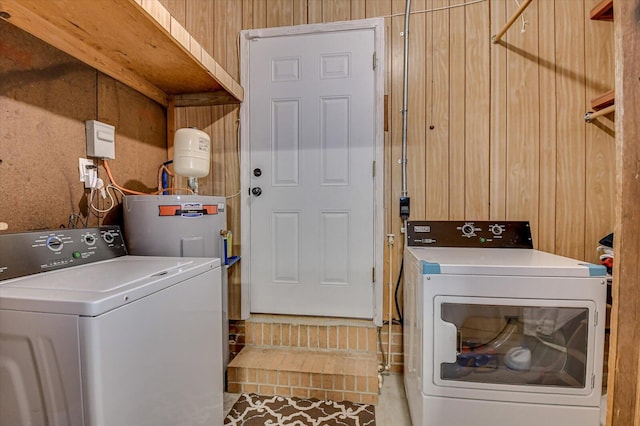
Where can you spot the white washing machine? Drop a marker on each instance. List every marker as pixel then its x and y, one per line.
pixel 90 336
pixel 497 333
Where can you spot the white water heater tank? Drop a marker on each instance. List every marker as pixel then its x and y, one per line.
pixel 191 152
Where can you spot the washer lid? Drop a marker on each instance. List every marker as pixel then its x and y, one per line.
pixel 99 287
pixel 501 262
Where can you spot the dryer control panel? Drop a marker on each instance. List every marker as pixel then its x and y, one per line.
pixel 29 253
pixel 478 234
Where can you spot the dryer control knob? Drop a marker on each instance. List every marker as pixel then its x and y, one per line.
pixel 496 229
pixel 468 230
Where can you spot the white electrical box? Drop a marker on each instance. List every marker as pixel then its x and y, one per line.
pixel 101 139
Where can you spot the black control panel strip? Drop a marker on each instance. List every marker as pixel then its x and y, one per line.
pixel 478 234
pixel 29 253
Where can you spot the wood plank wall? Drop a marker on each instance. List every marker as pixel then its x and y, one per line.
pixel 495 131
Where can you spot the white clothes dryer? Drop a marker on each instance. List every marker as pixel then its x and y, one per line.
pixel 497 333
pixel 92 336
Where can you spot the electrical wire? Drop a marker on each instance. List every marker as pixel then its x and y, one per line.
pixel 114 201
pixel 400 312
pixel 108 209
pixel 161 175
pixel 130 191
pixel 227 197
pixel 436 9
pixel 74 219
pixel 524 21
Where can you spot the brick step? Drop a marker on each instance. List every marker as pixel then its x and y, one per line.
pixel 307 373
pixel 311 333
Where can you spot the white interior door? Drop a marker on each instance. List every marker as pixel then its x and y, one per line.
pixel 312 149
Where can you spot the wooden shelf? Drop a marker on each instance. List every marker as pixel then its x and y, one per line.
pixel 137 42
pixel 603 11
pixel 603 101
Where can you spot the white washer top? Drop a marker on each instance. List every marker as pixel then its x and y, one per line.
pixel 96 288
pixel 502 261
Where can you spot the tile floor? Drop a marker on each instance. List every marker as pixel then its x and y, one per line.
pixel 392 409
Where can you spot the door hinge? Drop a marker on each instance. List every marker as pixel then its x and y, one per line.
pixel 374 60
pixel 373 274
pixel 595 319
pixel 373 171
pixel 593 381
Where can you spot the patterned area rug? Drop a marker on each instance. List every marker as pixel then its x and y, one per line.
pixel 256 410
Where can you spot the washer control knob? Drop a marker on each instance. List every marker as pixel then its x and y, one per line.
pixel 89 239
pixel 108 237
pixel 54 243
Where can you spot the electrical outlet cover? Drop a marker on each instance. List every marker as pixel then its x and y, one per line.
pixel 82 168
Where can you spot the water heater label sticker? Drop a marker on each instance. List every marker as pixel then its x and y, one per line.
pixel 169 210
pixel 187 210
pixel 210 209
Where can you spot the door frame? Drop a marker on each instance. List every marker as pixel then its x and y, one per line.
pixel 377 25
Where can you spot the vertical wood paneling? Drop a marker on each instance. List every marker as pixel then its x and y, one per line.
pixel 279 13
pixel 570 176
pixel 437 113
pixel 259 14
pixel 300 12
pixel 358 9
pixel 476 112
pixel 545 237
pixel 234 23
pixel 336 10
pixel 457 107
pixel 199 24
pixel 314 11
pixel 523 123
pixel 177 8
pixel 416 177
pixel 498 119
pixel 247 14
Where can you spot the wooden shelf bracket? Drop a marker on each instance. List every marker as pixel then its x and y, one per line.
pixel 496 38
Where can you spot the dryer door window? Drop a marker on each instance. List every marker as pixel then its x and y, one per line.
pixel 520 343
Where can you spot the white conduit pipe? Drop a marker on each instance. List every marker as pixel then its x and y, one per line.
pixel 405 97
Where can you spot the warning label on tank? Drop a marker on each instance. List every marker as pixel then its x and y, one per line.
pixel 187 210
